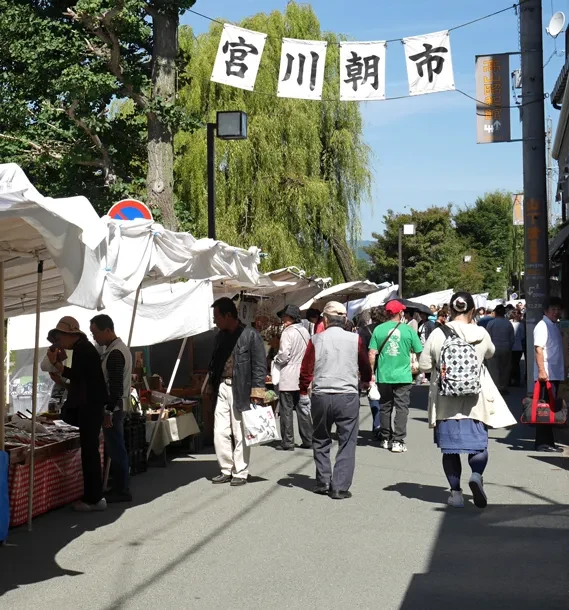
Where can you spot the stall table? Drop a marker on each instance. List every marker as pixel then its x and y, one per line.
pixel 171 430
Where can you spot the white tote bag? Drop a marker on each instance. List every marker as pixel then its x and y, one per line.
pixel 259 425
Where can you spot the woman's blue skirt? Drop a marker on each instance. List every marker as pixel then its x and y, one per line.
pixel 461 436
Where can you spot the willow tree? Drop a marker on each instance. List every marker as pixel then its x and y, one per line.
pixel 295 186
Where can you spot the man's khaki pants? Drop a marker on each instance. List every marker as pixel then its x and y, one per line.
pixel 232 455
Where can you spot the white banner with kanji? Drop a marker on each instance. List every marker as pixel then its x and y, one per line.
pixel 362 70
pixel 238 57
pixel 429 63
pixel 301 73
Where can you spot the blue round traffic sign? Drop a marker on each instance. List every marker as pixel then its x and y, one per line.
pixel 130 209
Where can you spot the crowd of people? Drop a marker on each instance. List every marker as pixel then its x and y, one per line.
pixel 319 367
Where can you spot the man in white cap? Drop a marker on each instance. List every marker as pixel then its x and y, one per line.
pixel 331 364
pixel 88 392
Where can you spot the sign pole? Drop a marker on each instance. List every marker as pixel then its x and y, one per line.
pixel 535 180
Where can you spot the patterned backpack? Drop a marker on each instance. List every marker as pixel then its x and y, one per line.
pixel 459 369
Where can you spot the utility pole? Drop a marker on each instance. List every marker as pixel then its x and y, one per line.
pixel 535 177
pixel 548 142
pixel 400 261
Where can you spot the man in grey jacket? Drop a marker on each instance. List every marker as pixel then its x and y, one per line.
pixel 294 340
pixel 236 379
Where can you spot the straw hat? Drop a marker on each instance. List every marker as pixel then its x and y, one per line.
pixel 68 326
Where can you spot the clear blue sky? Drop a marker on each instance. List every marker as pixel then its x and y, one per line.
pixel 424 148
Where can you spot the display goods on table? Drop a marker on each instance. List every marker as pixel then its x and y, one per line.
pixel 58 477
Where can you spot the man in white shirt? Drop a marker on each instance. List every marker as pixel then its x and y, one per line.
pixel 549 364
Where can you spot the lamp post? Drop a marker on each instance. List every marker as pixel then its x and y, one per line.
pixel 229 125
pixel 403 230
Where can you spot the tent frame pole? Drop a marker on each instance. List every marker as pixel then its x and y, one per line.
pixel 134 309
pixel 168 390
pixel 35 397
pixel 3 367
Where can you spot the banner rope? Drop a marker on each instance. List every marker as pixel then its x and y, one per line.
pixel 512 7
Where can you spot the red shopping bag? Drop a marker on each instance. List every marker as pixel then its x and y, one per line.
pixel 543 407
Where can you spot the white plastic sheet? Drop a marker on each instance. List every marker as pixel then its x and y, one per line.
pixel 165 312
pixel 57 231
pixel 140 250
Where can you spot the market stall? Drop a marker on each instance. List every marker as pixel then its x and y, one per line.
pixel 59 251
pixel 43 245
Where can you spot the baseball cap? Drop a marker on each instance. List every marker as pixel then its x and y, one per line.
pixel 333 308
pixel 290 310
pixel 394 307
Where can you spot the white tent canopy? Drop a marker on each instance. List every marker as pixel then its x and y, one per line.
pixel 375 299
pixel 165 312
pixel 58 232
pixel 291 286
pixel 434 298
pixel 343 292
pixel 140 250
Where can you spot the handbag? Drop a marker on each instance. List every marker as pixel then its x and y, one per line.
pixel 543 407
pixel 259 425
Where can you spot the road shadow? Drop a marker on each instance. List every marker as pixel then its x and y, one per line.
pixel 425 420
pixel 294 479
pixel 366 438
pixel 560 461
pixel 30 557
pixel 507 556
pixel 425 493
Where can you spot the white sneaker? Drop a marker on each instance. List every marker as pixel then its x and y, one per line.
pixel 398 447
pixel 385 445
pixel 476 485
pixel 83 507
pixel 455 499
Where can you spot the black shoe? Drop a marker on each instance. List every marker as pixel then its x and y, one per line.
pixel 336 494
pixel 238 481
pixel 221 478
pixel 321 490
pixel 549 449
pixel 281 448
pixel 303 446
pixel 115 497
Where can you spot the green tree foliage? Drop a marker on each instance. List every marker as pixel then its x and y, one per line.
pixel 294 187
pixel 81 107
pixel 434 259
pixel 487 227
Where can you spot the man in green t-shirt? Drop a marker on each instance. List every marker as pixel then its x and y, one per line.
pixel 394 341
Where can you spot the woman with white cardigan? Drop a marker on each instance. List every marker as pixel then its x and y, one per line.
pixel 461 422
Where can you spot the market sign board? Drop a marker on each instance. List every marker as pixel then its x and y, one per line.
pixel 493 98
pixel 518 213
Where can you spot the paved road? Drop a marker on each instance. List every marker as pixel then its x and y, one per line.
pixel 187 544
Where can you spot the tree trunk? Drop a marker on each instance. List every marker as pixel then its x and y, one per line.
pixel 345 258
pixel 160 177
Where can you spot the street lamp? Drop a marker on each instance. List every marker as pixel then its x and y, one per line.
pixel 229 125
pixel 408 229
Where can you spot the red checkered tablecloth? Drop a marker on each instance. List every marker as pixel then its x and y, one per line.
pixel 58 480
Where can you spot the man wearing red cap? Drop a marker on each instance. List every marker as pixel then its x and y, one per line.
pixel 390 351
